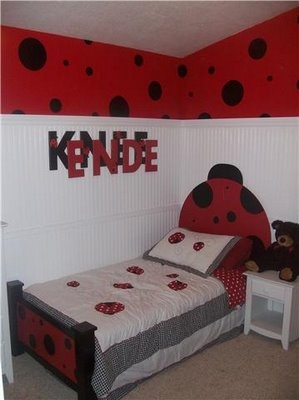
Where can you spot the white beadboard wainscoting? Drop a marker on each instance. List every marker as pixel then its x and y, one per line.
pixel 58 225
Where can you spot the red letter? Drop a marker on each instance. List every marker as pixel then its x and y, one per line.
pixel 127 167
pixel 150 155
pixel 99 153
pixel 74 158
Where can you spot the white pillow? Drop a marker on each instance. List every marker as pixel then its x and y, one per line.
pixel 199 253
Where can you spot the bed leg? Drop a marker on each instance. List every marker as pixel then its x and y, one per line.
pixel 85 355
pixel 14 294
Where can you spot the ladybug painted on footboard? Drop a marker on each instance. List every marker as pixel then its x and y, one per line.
pixel 223 205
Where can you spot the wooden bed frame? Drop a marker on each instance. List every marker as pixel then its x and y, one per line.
pixel 67 352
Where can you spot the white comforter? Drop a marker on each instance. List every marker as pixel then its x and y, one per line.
pixel 149 302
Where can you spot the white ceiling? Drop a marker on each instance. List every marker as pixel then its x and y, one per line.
pixel 175 28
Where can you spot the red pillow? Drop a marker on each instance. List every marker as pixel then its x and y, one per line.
pixel 237 255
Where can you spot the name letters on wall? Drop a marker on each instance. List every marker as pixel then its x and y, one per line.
pixel 124 154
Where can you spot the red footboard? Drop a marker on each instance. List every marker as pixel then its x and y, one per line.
pixel 67 352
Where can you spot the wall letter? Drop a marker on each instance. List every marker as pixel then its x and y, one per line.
pixel 74 158
pixel 150 155
pixel 127 167
pixel 99 153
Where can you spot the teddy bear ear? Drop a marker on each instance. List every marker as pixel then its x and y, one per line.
pixel 276 224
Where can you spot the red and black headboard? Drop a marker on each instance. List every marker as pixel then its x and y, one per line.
pixel 223 205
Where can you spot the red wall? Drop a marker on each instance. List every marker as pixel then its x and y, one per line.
pixel 251 74
pixel 254 73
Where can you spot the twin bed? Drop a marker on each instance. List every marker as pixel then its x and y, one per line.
pixel 185 293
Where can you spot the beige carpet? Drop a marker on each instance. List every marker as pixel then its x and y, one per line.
pixel 247 367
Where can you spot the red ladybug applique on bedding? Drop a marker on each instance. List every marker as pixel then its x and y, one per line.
pixel 109 307
pixel 134 269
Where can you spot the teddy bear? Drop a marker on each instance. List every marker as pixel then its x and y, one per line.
pixel 282 255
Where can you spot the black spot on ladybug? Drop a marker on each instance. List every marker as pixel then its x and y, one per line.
pixel 165 116
pixel 226 171
pixel 231 216
pixel 119 107
pixel 182 71
pixel 257 48
pixel 250 202
pixel 32 54
pixel 18 112
pixel 190 94
pixel 297 84
pixel 211 70
pixel 202 195
pixel 155 90
pixel 66 63
pixel 216 220
pixel 232 93
pixel 269 78
pixel 32 341
pixel 89 42
pixel 49 345
pixel 265 115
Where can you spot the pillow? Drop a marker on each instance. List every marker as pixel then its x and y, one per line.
pixel 199 253
pixel 237 255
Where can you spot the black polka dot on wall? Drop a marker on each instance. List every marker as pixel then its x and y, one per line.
pixel 232 93
pixel 55 105
pixel 257 48
pixel 182 71
pixel 155 90
pixel 138 60
pixel 119 107
pixel 32 54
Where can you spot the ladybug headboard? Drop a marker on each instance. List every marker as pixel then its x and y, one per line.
pixel 222 205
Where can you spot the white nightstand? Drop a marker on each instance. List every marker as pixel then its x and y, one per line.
pixel 272 306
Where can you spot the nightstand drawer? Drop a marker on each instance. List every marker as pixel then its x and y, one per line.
pixel 267 289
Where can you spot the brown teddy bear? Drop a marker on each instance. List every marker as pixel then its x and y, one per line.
pixel 282 255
